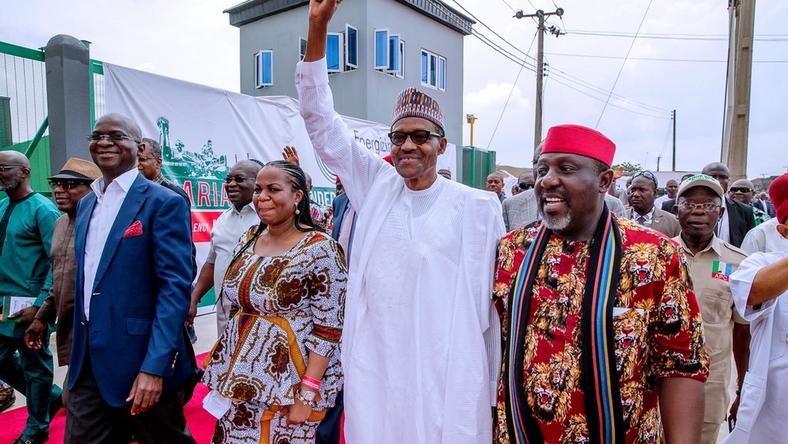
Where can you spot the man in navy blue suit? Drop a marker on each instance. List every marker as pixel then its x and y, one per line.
pixel 130 359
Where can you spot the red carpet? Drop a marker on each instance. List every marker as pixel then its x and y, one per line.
pixel 200 422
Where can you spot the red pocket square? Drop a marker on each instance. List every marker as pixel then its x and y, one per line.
pixel 134 229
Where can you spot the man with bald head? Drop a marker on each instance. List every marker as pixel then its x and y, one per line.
pixel 130 356
pixel 227 228
pixel 742 191
pixel 27 221
pixel 495 184
pixel 737 219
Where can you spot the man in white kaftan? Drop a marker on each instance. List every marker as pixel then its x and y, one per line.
pixel 421 342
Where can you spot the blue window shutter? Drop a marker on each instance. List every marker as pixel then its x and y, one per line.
pixel 381 49
pixel 351 46
pixel 266 68
pixel 334 57
pixel 433 69
pixel 442 73
pixel 393 53
pixel 425 68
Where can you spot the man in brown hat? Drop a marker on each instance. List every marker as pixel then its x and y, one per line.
pixel 68 187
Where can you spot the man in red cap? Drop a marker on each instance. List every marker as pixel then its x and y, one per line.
pixel 603 335
pixel 760 292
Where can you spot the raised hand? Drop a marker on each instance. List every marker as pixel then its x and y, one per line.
pixel 290 154
pixel 321 11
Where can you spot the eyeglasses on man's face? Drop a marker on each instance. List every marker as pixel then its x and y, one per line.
pixel 739 190
pixel 237 179
pixel 419 137
pixel 66 184
pixel 708 207
pixel 114 137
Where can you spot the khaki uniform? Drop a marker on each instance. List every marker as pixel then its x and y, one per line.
pixel 710 270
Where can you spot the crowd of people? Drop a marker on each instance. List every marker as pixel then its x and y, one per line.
pixel 415 310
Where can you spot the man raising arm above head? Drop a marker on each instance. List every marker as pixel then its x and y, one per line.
pixel 419 346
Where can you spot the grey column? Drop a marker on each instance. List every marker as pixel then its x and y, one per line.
pixel 68 99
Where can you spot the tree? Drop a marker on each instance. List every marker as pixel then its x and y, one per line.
pixel 628 168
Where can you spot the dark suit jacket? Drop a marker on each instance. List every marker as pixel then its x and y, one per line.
pixel 340 204
pixel 140 296
pixel 668 205
pixel 740 220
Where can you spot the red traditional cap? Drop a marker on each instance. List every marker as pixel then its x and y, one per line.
pixel 388 159
pixel 577 139
pixel 338 181
pixel 778 193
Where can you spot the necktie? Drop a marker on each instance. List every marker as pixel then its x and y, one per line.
pixel 641 220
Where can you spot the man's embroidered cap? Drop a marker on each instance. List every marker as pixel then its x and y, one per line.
pixel 414 103
pixel 581 140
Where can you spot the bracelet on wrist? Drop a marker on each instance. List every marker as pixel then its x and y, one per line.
pixel 312 383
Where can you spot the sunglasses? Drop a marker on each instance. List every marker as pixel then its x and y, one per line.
pixel 419 137
pixel 66 184
pixel 647 174
pixel 740 190
pixel 237 179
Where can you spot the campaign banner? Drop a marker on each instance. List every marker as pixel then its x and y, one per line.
pixel 204 131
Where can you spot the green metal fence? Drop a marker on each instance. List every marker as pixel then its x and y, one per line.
pixel 477 164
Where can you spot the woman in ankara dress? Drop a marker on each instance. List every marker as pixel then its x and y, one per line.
pixel 275 369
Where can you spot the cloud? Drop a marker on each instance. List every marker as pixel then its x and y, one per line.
pixel 494 95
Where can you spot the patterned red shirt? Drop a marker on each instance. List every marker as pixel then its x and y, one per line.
pixel 657 324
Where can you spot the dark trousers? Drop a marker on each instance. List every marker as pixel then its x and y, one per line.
pixel 30 373
pixel 91 420
pixel 329 429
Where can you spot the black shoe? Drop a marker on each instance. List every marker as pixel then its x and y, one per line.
pixel 40 438
pixel 7 398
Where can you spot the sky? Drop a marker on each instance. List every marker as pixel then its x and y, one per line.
pixel 193 41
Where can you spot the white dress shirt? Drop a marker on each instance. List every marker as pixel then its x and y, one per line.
pixel 724 226
pixel 108 203
pixel 227 229
pixel 649 217
pixel 765 238
pixel 763 409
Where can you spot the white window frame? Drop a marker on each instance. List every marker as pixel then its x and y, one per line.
pixel 442 76
pixel 301 48
pixel 347 46
pixel 258 68
pixel 385 66
pixel 433 72
pixel 401 73
pixel 340 50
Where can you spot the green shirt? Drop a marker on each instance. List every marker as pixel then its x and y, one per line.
pixel 25 268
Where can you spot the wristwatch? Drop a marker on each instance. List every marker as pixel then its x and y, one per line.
pixel 307 397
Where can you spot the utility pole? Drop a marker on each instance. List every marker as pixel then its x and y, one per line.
pixel 673 117
pixel 471 119
pixel 737 111
pixel 540 30
pixel 659 158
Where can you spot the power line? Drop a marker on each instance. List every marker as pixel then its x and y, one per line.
pixel 491 30
pixel 509 97
pixel 686 37
pixel 621 69
pixel 524 64
pixel 656 59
